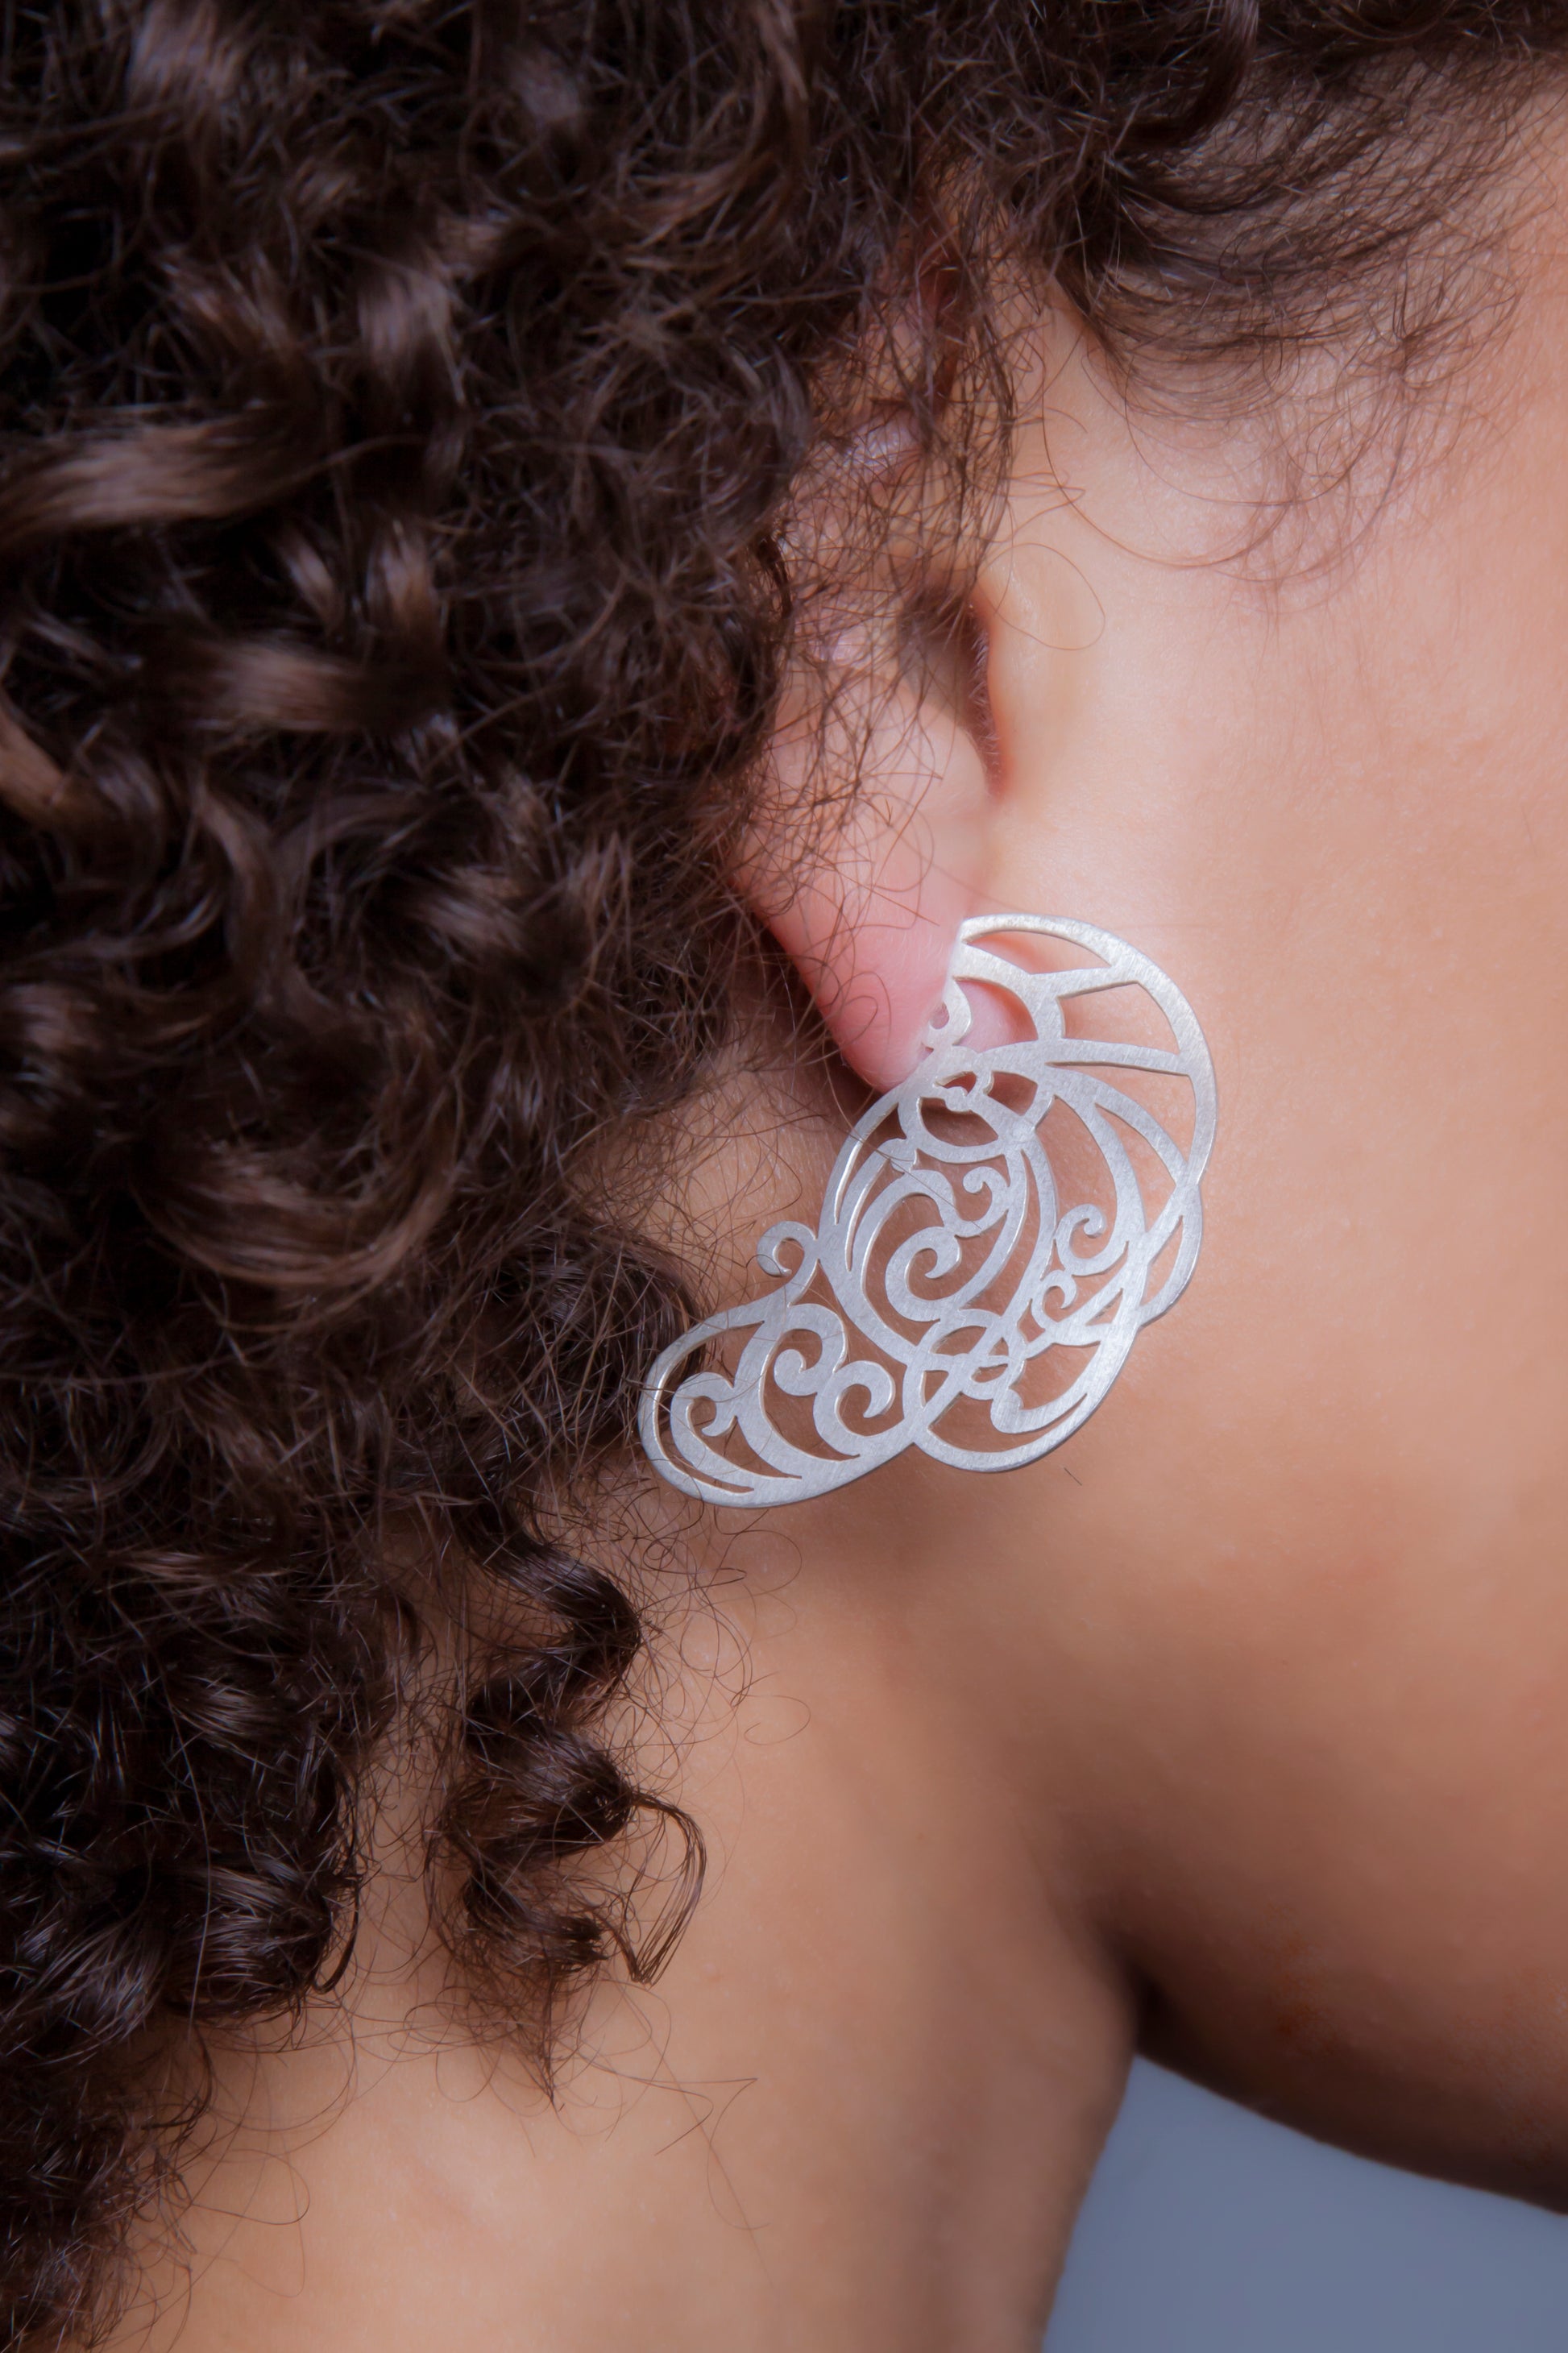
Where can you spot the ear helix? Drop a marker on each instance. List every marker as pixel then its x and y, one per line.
pixel 948 1264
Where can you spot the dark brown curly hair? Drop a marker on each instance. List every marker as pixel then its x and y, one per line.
pixel 401 405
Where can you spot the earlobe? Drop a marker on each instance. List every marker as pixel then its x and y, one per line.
pixel 874 949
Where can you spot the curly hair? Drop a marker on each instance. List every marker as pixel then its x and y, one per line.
pixel 401 404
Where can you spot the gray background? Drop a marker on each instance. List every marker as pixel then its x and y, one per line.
pixel 1208 2231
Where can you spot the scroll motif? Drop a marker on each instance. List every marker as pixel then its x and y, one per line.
pixel 946 1264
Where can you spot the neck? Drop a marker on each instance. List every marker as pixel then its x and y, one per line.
pixel 856 2115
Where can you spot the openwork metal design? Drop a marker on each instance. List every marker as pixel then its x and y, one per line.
pixel 945 1267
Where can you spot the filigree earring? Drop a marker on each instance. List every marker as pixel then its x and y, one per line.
pixel 952 1278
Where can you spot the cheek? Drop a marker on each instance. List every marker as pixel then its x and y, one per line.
pixel 1325 1720
pixel 1309 1578
pixel 1367 1509
pixel 1387 1281
pixel 1359 1912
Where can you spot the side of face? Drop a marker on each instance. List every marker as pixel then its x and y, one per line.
pixel 1285 1625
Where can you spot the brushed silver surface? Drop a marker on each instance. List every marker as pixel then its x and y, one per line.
pixel 886 1315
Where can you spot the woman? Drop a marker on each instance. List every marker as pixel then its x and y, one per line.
pixel 554 558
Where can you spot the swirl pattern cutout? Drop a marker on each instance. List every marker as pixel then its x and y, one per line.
pixel 946 1280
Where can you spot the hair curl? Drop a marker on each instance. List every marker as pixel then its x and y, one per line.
pixel 400 404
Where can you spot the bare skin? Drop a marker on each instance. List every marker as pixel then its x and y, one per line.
pixel 1242 1718
pixel 858 2112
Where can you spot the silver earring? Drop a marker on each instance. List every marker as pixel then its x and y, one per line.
pixel 975 1203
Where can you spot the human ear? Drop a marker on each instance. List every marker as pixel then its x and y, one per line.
pixel 864 870
pixel 920 728
pixel 904 748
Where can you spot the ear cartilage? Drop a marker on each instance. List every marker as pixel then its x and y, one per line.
pixel 945 1267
